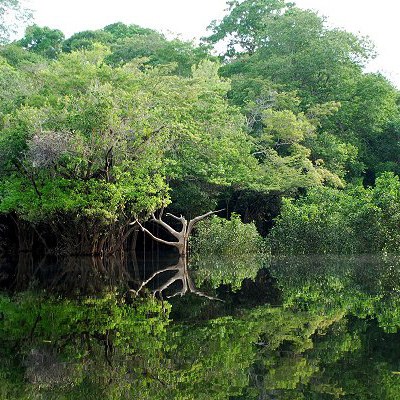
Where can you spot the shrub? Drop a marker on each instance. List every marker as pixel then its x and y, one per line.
pixel 222 237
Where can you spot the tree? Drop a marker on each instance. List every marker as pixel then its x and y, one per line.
pixel 157 50
pixel 110 34
pixel 182 236
pixel 281 48
pixel 44 41
pixel 84 166
pixel 93 146
pixel 85 40
pixel 14 86
pixel 294 48
pixel 245 23
pixel 354 220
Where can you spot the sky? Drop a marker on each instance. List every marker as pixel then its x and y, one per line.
pixel 189 19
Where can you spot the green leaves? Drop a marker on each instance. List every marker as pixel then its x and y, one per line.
pixel 276 48
pixel 230 238
pixel 355 220
pixel 98 143
pixel 246 23
pixel 44 41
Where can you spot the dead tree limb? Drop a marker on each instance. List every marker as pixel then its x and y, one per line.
pixel 182 237
pixel 152 236
pixel 199 218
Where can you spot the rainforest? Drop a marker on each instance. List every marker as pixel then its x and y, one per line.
pixel 198 220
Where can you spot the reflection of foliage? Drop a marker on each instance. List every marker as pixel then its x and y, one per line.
pixel 363 287
pixel 30 315
pixel 226 251
pixel 64 342
pixel 69 276
pixel 226 270
pixel 325 342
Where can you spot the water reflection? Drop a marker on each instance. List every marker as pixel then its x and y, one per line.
pixel 304 328
pixel 181 274
pixel 68 275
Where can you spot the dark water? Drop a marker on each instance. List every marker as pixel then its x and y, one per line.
pixel 156 328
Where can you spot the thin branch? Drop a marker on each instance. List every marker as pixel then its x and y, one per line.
pixel 21 167
pixel 180 292
pixel 201 294
pixel 192 289
pixel 259 152
pixel 158 130
pixel 109 162
pixel 177 277
pixel 154 237
pixel 123 239
pixel 40 237
pixel 180 219
pixel 171 230
pixel 199 218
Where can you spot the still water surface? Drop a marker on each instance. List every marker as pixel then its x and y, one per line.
pixel 156 328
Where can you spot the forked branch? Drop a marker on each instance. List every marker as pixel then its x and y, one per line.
pixel 181 237
pixel 167 227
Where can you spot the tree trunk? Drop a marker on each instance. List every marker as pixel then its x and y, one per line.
pixel 182 236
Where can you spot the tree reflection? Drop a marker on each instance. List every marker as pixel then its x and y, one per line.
pixel 73 275
pixel 330 338
pixel 182 275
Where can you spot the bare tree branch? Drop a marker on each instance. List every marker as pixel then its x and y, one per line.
pixel 159 221
pixel 182 274
pixel 192 289
pixel 201 294
pixel 177 277
pixel 154 237
pixel 199 218
pixel 154 275
pixel 180 219
pixel 182 237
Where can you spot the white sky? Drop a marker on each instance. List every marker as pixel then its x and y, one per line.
pixel 189 18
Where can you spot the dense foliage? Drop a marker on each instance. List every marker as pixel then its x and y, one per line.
pixel 283 130
pixel 355 220
pixel 230 238
pixel 226 251
pixel 94 145
pixel 112 124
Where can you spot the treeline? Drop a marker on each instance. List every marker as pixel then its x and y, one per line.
pixel 113 124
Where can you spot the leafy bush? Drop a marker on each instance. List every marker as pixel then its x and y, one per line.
pixel 222 237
